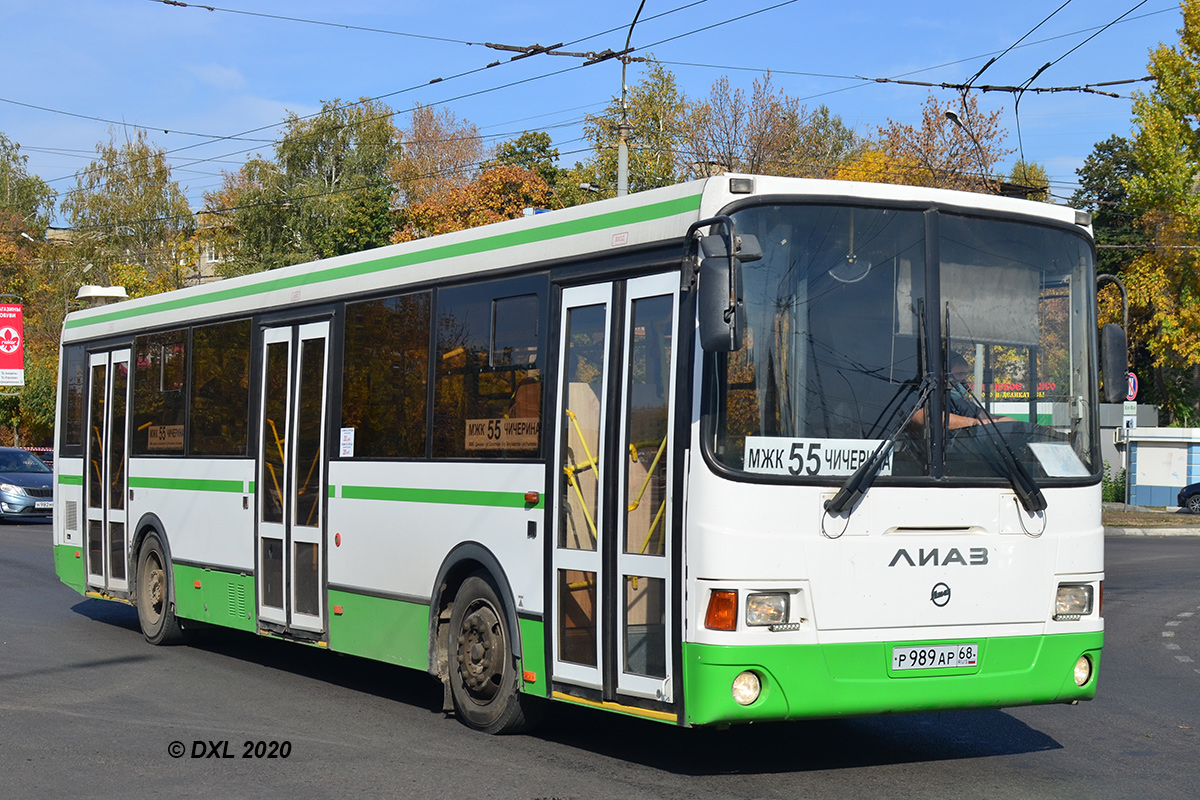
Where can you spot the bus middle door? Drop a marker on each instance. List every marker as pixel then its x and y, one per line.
pixel 291 477
pixel 614 602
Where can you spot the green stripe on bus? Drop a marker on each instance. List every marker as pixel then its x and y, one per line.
pixel 188 484
pixel 629 216
pixel 70 480
pixel 454 497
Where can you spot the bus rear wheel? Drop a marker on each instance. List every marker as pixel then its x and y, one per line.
pixel 484 680
pixel 156 613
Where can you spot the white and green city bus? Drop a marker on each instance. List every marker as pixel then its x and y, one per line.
pixel 676 455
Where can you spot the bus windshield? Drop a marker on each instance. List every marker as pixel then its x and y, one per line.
pixel 837 341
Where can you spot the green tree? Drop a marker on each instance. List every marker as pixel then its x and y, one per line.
pixel 823 143
pixel 1102 191
pixel 127 210
pixel 532 150
pixel 26 202
pixel 1164 279
pixel 656 113
pixel 325 193
pixel 1029 180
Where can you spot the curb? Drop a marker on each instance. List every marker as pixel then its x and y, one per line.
pixel 1152 531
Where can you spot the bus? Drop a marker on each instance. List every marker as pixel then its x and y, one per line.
pixel 696 455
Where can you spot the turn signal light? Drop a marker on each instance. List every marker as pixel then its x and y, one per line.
pixel 722 610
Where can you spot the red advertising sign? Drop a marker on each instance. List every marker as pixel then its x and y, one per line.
pixel 12 346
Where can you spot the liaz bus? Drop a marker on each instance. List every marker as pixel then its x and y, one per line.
pixel 743 449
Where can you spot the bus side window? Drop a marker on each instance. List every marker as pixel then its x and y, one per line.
pixel 159 392
pixel 488 390
pixel 73 371
pixel 220 379
pixel 386 376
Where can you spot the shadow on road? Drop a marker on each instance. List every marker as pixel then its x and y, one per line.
pixel 797 746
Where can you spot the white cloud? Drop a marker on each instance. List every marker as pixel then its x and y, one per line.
pixel 217 76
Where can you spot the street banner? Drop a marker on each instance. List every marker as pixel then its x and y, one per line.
pixel 12 346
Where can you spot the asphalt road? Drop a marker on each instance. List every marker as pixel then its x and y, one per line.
pixel 88 708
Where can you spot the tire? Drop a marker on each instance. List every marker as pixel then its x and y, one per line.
pixel 155 605
pixel 1193 504
pixel 484 679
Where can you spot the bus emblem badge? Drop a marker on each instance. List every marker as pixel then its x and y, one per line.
pixel 940 595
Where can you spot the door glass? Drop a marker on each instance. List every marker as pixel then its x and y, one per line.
pixel 116 439
pixel 577 616
pixel 96 492
pixel 583 391
pixel 116 550
pixel 272 572
pixel 645 626
pixel 307 580
pixel 308 433
pixel 648 383
pixel 95 530
pixel 274 431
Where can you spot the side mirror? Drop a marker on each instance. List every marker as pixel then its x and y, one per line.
pixel 722 316
pixel 1114 362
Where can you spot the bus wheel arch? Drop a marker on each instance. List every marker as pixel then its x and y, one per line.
pixel 475 643
pixel 153 584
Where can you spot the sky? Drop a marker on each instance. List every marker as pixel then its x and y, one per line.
pixel 213 84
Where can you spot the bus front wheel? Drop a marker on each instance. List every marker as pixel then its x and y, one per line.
pixel 484 680
pixel 156 613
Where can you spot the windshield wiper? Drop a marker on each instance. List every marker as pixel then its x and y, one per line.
pixel 1023 485
pixel 858 483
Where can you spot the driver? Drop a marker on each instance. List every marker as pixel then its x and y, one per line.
pixel 962 410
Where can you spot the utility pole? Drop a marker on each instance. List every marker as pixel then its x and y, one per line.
pixel 623 130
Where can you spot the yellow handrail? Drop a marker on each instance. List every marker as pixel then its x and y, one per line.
pixel 571 469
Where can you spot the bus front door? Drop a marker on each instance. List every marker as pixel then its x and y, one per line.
pixel 107 468
pixel 291 477
pixel 614 599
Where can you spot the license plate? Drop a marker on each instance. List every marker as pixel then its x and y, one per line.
pixel 935 656
pixel 43 505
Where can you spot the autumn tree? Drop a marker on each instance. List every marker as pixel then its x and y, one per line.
pixel 440 151
pixel 729 132
pixel 1164 279
pixel 26 203
pixel 501 192
pixel 326 192
pixel 939 151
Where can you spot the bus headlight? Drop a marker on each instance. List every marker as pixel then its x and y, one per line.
pixel 746 688
pixel 767 609
pixel 1072 602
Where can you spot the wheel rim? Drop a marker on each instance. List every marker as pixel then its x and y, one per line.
pixel 153 583
pixel 1194 504
pixel 481 649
